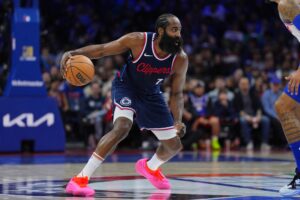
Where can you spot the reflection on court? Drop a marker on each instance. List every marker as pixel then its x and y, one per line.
pixel 204 175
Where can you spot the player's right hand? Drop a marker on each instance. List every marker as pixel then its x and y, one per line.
pixel 63 61
pixel 181 129
pixel 294 82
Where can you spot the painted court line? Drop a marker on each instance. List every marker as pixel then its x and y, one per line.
pixel 226 184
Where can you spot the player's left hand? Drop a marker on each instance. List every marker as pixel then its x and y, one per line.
pixel 63 61
pixel 294 82
pixel 181 129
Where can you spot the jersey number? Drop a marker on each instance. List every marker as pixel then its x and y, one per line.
pixel 159 81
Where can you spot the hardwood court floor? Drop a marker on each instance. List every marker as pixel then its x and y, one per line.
pixel 193 175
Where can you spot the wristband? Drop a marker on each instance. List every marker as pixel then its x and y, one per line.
pixel 296 22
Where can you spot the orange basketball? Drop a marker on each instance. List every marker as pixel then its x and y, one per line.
pixel 80 70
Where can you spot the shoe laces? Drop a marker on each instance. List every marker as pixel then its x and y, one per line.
pixel 293 182
pixel 156 173
pixel 81 181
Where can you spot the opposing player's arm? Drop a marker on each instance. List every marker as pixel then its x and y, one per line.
pixel 128 42
pixel 178 81
pixel 289 11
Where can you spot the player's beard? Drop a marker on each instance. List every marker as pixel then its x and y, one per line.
pixel 170 44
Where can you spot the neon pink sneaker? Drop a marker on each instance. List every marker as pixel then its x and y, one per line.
pixel 78 186
pixel 157 179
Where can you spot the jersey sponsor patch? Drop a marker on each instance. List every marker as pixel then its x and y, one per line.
pixel 125 101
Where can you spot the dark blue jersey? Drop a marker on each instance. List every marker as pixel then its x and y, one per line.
pixel 146 72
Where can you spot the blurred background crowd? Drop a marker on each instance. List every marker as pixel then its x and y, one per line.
pixel 239 53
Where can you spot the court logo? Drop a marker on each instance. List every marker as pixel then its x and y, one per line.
pixel 27 54
pixel 130 187
pixel 25 120
pixel 125 101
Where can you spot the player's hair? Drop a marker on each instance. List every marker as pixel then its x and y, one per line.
pixel 162 21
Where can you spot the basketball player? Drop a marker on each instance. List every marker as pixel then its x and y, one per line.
pixel 287 106
pixel 136 92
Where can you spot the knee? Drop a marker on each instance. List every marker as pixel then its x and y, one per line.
pixel 284 104
pixel 121 128
pixel 175 146
pixel 214 121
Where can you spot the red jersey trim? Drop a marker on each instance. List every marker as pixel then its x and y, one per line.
pixel 159 129
pixel 154 51
pixel 141 53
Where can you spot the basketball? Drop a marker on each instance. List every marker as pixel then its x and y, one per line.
pixel 80 70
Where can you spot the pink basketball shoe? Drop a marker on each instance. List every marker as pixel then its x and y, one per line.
pixel 157 179
pixel 78 186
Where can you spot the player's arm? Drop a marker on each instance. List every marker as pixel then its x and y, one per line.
pixel 176 99
pixel 289 11
pixel 121 45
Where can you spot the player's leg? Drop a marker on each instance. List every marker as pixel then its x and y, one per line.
pixel 170 145
pixel 122 125
pixel 155 115
pixel 107 145
pixel 166 150
pixel 215 128
pixel 287 108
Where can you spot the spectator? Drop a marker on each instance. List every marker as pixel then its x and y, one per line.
pixel 250 113
pixel 58 96
pixel 72 121
pixel 47 59
pixel 92 112
pixel 223 108
pixel 54 72
pixel 199 103
pixel 47 80
pixel 220 84
pixel 268 101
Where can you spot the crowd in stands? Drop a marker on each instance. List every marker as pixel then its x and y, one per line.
pixel 239 53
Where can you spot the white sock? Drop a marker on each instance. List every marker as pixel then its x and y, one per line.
pixel 93 163
pixel 155 162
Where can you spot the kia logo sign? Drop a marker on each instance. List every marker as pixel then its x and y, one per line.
pixel 26 120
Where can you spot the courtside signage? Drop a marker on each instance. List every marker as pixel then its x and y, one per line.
pixel 28 120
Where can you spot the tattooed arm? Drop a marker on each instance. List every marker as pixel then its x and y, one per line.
pixel 288 9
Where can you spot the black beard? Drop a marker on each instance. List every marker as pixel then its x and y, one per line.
pixel 170 44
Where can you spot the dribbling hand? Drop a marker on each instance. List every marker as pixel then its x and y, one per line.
pixel 63 61
pixel 294 82
pixel 181 129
